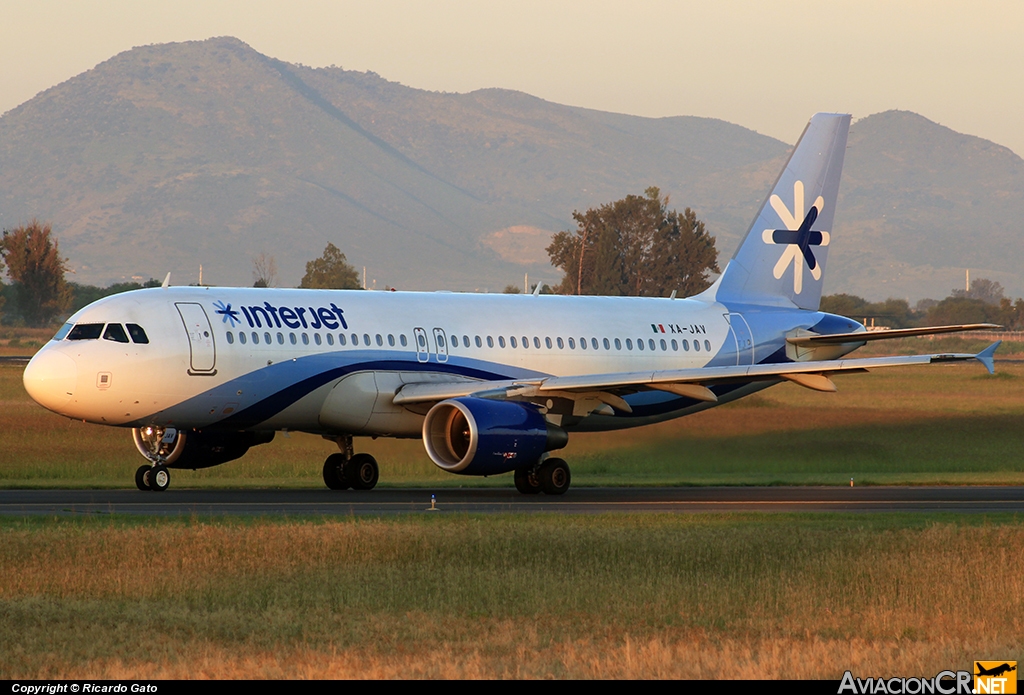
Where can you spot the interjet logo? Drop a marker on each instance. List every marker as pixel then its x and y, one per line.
pixel 797 237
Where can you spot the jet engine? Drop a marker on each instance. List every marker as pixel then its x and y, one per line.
pixel 193 448
pixel 478 436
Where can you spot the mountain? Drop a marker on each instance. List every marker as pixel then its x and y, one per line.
pixel 169 156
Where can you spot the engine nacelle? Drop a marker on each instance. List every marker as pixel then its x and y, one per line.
pixel 478 436
pixel 193 448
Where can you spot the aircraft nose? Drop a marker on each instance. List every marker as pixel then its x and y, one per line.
pixel 50 379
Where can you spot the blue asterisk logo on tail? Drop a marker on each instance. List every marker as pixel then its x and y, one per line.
pixel 227 313
pixel 798 237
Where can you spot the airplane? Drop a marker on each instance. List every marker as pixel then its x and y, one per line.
pixel 491 383
pixel 995 671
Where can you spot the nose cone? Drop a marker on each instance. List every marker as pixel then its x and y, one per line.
pixel 50 379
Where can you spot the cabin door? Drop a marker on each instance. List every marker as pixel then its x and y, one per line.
pixel 422 349
pixel 441 343
pixel 744 340
pixel 200 338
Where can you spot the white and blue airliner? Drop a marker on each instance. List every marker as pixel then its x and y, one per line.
pixel 491 383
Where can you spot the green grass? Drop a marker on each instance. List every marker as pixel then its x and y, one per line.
pixel 925 425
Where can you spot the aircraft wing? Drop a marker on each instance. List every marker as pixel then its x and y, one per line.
pixel 887 334
pixel 686 382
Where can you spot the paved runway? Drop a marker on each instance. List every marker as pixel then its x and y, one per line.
pixel 970 500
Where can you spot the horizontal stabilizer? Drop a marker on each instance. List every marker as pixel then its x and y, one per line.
pixel 987 356
pixel 887 334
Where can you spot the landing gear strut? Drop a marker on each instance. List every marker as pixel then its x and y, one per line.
pixel 347 470
pixel 551 477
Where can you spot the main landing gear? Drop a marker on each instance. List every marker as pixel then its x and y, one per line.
pixel 156 478
pixel 551 477
pixel 347 470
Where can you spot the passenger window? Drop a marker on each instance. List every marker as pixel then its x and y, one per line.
pixel 64 330
pixel 267 339
pixel 86 331
pixel 465 341
pixel 650 343
pixel 607 345
pixel 675 345
pixel 305 339
pixel 421 339
pixel 255 338
pixel 559 342
pixel 547 342
pixel 138 335
pixel 231 338
pixel 526 342
pixel 241 337
pixel 640 344
pixel 686 345
pixel 572 344
pixel 341 339
pixel 664 347
pixel 380 340
pixel 330 339
pixel 440 341
pixel 355 339
pixel 115 332
pixel 512 340
pixel 536 342
pixel 583 343
pixel 366 339
pixel 479 343
pixel 291 337
pixel 707 345
pixel 280 338
pixel 316 338
pixel 618 344
pixel 629 344
pixel 696 346
pixel 501 341
pixel 403 339
pixel 454 341
pixel 490 342
pixel 391 340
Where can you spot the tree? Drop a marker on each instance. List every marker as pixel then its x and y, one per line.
pixel 511 289
pixel 264 270
pixel 37 271
pixel 982 289
pixel 635 246
pixel 330 272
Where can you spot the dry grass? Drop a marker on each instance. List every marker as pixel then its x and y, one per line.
pixel 623 596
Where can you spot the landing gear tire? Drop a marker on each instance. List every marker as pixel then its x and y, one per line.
pixel 362 472
pixel 159 478
pixel 334 472
pixel 554 476
pixel 142 478
pixel 527 481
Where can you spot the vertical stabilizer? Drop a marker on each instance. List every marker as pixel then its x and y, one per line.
pixel 783 257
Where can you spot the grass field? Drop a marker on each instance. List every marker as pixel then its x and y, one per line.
pixel 616 596
pixel 698 596
pixel 939 424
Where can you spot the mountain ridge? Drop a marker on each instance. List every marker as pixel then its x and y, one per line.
pixel 167 156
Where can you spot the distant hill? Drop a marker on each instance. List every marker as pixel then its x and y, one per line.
pixel 168 156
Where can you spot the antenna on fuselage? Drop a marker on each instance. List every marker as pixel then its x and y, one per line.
pixel 537 289
pixel 167 281
pixel 673 295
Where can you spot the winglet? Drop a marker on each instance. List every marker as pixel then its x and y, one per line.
pixel 167 281
pixel 986 356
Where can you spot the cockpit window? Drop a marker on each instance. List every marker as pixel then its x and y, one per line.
pixel 86 331
pixel 64 330
pixel 115 332
pixel 138 335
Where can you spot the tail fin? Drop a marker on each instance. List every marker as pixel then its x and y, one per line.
pixel 782 258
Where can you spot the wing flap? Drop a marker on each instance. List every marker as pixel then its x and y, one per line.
pixel 810 374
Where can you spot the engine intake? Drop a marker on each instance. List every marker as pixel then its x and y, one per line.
pixel 478 436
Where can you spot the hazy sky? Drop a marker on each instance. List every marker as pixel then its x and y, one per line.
pixel 763 65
